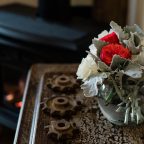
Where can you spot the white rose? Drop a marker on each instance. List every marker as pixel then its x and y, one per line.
pixel 87 68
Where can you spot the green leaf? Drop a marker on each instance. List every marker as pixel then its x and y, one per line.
pixel 121 34
pixel 99 45
pixel 103 67
pixel 118 62
pixel 133 70
pixel 135 28
pixel 133 43
pixel 137 39
pixel 116 27
pixel 90 86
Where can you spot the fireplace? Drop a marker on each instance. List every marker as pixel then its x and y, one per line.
pixel 21 46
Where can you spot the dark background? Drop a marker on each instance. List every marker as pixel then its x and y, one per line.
pixel 25 40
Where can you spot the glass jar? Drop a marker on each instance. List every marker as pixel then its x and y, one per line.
pixel 121 112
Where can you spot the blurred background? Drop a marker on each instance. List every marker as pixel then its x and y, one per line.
pixel 49 31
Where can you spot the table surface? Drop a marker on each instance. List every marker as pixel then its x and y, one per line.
pixel 95 129
pixel 22 134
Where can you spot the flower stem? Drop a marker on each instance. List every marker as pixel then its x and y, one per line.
pixel 118 90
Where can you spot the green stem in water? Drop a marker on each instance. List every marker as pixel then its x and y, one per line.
pixel 118 90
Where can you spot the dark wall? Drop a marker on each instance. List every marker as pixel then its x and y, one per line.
pixel 102 11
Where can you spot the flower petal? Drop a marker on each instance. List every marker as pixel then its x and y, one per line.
pixel 93 49
pixel 119 31
pixel 99 45
pixel 110 38
pixel 103 33
pixel 87 68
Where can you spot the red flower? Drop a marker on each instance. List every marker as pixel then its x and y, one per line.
pixel 111 38
pixel 110 50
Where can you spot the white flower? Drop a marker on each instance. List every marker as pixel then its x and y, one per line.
pixel 87 68
pixel 93 49
pixel 104 33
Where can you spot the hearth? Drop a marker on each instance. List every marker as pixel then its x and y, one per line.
pixel 25 41
pixel 19 50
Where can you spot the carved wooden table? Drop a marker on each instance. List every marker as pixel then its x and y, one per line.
pixel 92 125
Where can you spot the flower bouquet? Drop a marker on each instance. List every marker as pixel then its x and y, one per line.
pixel 114 71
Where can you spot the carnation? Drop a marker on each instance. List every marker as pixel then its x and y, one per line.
pixel 111 38
pixel 116 58
pixel 110 50
pixel 87 68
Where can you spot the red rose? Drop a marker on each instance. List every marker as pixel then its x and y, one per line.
pixel 111 38
pixel 110 50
